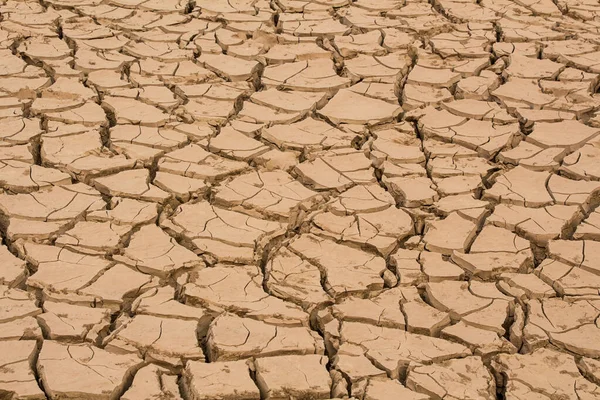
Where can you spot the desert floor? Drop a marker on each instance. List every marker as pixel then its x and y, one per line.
pixel 300 199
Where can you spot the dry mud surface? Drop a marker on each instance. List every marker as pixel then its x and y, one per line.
pixel 300 199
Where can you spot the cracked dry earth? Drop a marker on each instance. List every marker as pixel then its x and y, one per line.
pixel 300 199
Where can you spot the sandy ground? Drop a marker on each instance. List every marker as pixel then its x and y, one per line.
pixel 299 199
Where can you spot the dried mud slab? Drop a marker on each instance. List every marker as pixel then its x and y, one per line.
pixel 232 338
pixel 66 322
pixel 153 251
pixel 131 184
pixel 118 286
pixel 453 378
pixel 480 304
pixel 57 204
pixel 545 373
pixel 213 288
pixel 101 373
pixel 316 75
pixel 153 382
pixel 568 280
pixel 210 380
pixel 273 194
pixel 61 270
pixel 17 378
pixel 345 269
pixel 572 333
pixel 335 170
pixel 167 340
pixel 194 162
pixel 275 376
pixel 395 350
pixel 307 134
pixel 228 235
pixel 290 277
pixel 481 341
pixel 349 107
pixel 454 233
pixel 13 270
pixel 381 230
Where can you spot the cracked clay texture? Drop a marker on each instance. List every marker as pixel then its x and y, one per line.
pixel 299 199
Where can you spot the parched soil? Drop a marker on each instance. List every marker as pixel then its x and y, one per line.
pixel 299 199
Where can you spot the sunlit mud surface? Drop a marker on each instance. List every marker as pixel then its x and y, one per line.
pixel 299 199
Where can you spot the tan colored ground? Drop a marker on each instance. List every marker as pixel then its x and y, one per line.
pixel 299 199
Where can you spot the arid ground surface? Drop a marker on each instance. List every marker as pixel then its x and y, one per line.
pixel 300 199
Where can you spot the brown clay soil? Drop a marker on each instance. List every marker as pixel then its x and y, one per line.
pixel 299 199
